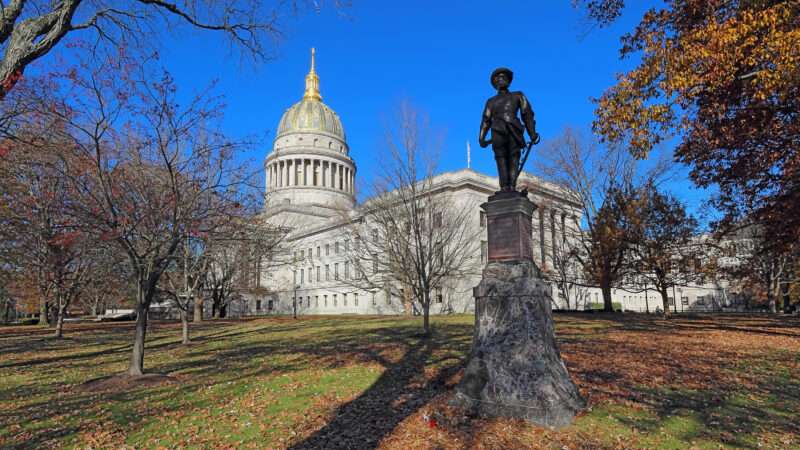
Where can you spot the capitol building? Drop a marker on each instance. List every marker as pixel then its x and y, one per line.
pixel 310 193
pixel 310 189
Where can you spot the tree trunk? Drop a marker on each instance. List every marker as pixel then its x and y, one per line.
pixel 772 302
pixel 665 302
pixel 43 313
pixel 778 297
pixel 426 309
pixel 136 366
pixel 184 327
pixel 787 304
pixel 62 310
pixel 608 306
pixel 215 307
pixel 198 309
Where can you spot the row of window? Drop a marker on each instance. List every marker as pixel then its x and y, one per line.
pixel 301 254
pixel 303 276
pixel 309 302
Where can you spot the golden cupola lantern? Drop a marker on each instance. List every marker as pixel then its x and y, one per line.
pixel 312 82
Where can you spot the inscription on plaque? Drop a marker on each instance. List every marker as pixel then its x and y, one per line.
pixel 502 233
pixel 509 229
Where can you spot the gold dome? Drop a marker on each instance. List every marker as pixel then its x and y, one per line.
pixel 310 114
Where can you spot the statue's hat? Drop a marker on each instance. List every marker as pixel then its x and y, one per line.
pixel 500 70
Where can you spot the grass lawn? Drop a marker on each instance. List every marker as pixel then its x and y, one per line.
pixel 366 382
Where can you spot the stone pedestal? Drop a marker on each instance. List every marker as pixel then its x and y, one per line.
pixel 515 369
pixel 508 220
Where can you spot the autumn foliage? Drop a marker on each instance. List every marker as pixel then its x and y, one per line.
pixel 723 76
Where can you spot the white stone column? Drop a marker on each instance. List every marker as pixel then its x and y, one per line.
pixel 327 182
pixel 542 247
pixel 535 235
pixel 298 172
pixel 301 165
pixel 270 176
pixel 553 239
pixel 334 175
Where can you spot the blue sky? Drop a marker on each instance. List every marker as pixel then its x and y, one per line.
pixel 438 55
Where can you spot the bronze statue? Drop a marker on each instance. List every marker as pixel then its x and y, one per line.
pixel 508 133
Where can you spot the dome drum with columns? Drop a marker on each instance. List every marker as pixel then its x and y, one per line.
pixel 310 164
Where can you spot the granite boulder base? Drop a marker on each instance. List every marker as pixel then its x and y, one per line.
pixel 515 369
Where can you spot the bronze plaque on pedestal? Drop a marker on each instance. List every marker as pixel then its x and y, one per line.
pixel 509 228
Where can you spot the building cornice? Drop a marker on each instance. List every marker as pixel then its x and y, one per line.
pixel 447 181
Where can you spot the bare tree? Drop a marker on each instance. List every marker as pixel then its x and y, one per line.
pixel 409 235
pixel 182 282
pixel 160 172
pixel 567 272
pixel 238 256
pixel 593 178
pixel 29 29
pixel 760 267
pixel 109 284
pixel 663 249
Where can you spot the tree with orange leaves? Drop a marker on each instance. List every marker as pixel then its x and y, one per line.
pixel 724 77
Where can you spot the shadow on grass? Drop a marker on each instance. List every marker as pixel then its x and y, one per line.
pixel 761 324
pixel 400 391
pixel 723 414
pixel 325 344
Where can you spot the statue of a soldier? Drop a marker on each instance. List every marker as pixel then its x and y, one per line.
pixel 508 138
